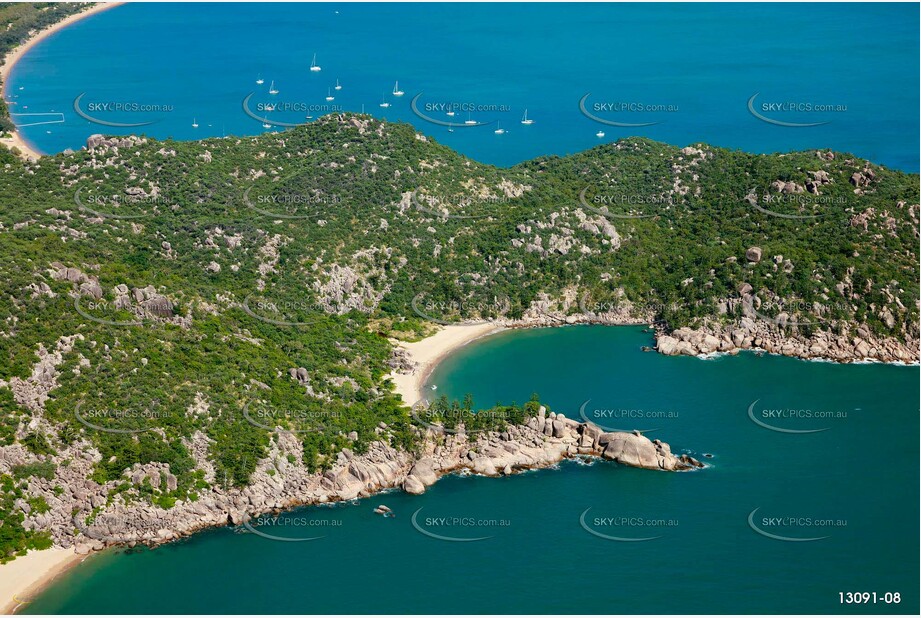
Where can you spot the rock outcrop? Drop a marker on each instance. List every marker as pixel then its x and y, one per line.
pixel 282 481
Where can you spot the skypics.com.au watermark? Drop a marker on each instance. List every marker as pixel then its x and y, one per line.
pixel 445 206
pixel 275 419
pixel 288 313
pixel 134 203
pixel 793 420
pixel 453 420
pixel 625 205
pixel 290 528
pixel 797 205
pixel 107 113
pixel 286 114
pixel 117 420
pixel 285 202
pixel 615 113
pixel 795 527
pixel 626 528
pixel 457 114
pixel 458 528
pixel 619 419
pixel 791 112
pixel 450 306
pixel 105 312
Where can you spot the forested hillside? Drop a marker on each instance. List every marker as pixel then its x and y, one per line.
pixel 189 296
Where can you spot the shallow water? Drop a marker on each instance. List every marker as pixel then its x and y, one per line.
pixel 701 62
pixel 861 473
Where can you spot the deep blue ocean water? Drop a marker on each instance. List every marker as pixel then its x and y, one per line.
pixel 855 483
pixel 702 62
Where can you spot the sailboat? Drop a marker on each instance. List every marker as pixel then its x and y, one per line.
pixel 329 95
pixel 396 90
pixel 338 87
pixel 313 64
pixel 469 119
pixel 272 88
pixel 259 80
pixel 525 119
pixel 499 130
pixel 451 113
pixel 384 102
pixel 194 123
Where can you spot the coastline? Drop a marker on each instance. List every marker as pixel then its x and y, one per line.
pixel 428 352
pixel 16 140
pixel 26 576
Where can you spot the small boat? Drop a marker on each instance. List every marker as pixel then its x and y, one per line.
pixel 499 130
pixel 525 119
pixel 314 66
pixel 469 119
pixel 259 80
pixel 329 95
pixel 194 123
pixel 396 90
pixel 384 102
pixel 272 88
pixel 338 86
pixel 434 388
pixel 599 134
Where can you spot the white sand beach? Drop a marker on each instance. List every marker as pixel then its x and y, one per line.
pixel 9 61
pixel 25 576
pixel 429 352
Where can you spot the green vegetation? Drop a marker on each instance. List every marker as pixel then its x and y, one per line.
pixel 14 539
pixel 18 21
pixel 253 321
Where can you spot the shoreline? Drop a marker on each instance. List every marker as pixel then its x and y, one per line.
pixel 16 139
pixel 26 576
pixel 429 352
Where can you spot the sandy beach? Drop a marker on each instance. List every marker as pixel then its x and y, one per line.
pixel 429 352
pixel 27 575
pixel 14 56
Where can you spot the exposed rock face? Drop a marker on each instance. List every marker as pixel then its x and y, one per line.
pixel 414 486
pixel 785 339
pixel 753 254
pixel 282 482
pixel 99 141
pixel 838 341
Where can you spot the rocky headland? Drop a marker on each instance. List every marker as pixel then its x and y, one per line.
pixel 87 517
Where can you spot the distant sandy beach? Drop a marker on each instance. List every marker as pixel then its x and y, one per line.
pixel 430 351
pixel 9 61
pixel 27 575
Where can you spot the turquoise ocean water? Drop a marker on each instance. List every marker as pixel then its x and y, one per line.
pixel 695 66
pixel 855 483
pixel 853 486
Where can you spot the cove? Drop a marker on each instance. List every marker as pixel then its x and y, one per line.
pixel 855 484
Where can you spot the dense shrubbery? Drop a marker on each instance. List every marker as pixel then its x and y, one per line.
pixel 199 377
pixel 17 20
